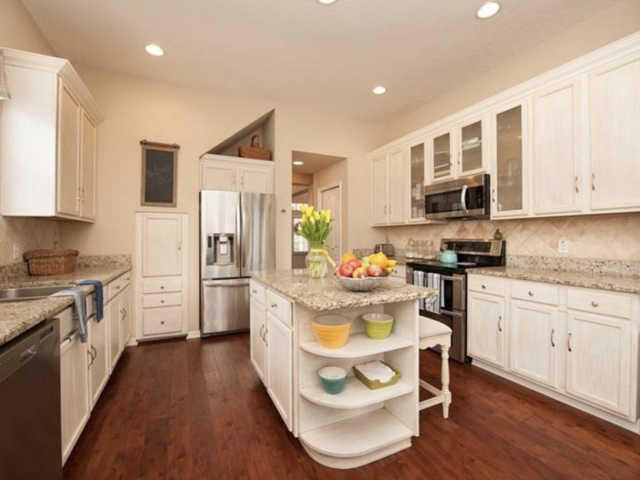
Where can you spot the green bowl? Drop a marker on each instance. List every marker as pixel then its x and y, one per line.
pixel 377 325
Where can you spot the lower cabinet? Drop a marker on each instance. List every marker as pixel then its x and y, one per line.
pixel 576 342
pixel 258 329
pixel 280 367
pixel 99 358
pixel 486 331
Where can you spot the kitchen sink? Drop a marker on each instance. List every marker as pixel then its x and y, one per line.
pixel 30 293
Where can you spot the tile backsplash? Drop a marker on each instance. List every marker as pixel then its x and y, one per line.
pixel 28 234
pixel 602 237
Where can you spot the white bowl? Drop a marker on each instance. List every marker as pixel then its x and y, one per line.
pixel 363 284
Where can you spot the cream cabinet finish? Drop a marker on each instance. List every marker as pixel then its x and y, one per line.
pixel 614 93
pixel 100 360
pixel 218 172
pixel 390 181
pixel 578 345
pixel 161 274
pixel 279 338
pixel 74 389
pixel 258 329
pixel 118 295
pixel 486 326
pixel 557 137
pixel 48 163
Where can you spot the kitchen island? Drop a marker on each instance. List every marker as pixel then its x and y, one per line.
pixel 358 425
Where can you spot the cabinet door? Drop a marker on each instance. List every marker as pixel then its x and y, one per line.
pixel 615 145
pixel 88 168
pixel 115 333
pixel 471 153
pixel 556 138
pixel 599 361
pixel 126 317
pixel 508 193
pixel 257 179
pixel 74 391
pixel 219 176
pixel 161 245
pixel 99 367
pixel 441 160
pixel 417 180
pixel 280 368
pixel 258 331
pixel 533 330
pixel 397 187
pixel 380 191
pixel 485 328
pixel 68 164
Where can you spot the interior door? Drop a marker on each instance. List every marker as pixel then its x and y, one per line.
pixel 330 197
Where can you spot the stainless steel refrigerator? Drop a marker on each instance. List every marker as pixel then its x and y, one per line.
pixel 237 237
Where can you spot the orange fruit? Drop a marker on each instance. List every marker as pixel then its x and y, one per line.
pixel 378 259
pixel 347 257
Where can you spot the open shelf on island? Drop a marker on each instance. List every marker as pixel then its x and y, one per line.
pixel 358 345
pixel 355 394
pixel 358 440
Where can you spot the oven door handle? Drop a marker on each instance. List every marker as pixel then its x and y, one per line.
pixel 463 198
pixel 451 278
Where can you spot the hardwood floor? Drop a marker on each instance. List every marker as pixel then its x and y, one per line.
pixel 196 410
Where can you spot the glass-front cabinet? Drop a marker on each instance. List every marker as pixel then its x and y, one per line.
pixel 471 158
pixel 441 154
pixel 508 192
pixel 417 178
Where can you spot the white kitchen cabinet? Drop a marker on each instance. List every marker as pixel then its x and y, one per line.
pixel 74 388
pixel 258 329
pixel 534 332
pixel 391 185
pixel 486 323
pixel 614 111
pixel 557 140
pixel 117 296
pixel 280 367
pixel 48 149
pixel 219 172
pixel 99 355
pixel 601 350
pixel 161 274
pixel 417 178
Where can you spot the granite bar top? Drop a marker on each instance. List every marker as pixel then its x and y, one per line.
pixel 18 317
pixel 328 294
pixel 593 279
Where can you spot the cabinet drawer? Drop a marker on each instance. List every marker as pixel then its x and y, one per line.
pixel 279 307
pixel 161 300
pixel 161 286
pixel 116 286
pixel 481 283
pixel 156 321
pixel 257 291
pixel 597 301
pixel 535 292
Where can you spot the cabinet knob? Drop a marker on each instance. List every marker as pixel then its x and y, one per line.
pixel 484 287
pixel 161 287
pixel 274 305
pixel 161 301
pixel 530 293
pixel 254 291
pixel 594 303
pixel 162 322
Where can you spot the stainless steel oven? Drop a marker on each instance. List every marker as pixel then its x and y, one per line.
pixel 451 280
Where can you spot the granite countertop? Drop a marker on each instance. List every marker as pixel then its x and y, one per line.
pixel 597 280
pixel 18 317
pixel 328 294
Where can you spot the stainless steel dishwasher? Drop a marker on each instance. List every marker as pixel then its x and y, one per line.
pixel 30 444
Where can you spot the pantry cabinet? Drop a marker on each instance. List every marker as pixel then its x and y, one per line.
pixel 48 149
pixel 218 172
pixel 161 274
pixel 579 345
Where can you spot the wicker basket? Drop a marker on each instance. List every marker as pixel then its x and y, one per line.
pixel 51 262
pixel 254 151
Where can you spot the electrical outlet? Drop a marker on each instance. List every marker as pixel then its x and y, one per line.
pixel 16 251
pixel 563 245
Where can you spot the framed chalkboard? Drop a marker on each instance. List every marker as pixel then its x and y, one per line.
pixel 159 174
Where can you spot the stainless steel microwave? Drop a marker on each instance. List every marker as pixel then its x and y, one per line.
pixel 467 197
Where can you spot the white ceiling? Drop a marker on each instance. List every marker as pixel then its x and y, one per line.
pixel 304 54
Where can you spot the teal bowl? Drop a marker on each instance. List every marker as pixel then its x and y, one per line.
pixel 333 379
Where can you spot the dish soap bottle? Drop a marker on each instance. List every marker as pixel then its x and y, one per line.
pixel 497 235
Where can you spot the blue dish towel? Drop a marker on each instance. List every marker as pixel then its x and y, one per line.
pixel 80 304
pixel 99 296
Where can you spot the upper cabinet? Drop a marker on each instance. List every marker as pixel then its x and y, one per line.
pixel 389 195
pixel 48 149
pixel 218 172
pixel 417 155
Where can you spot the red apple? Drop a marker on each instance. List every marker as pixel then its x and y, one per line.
pixel 345 270
pixel 360 272
pixel 355 263
pixel 374 270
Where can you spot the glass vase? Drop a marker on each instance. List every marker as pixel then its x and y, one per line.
pixel 316 260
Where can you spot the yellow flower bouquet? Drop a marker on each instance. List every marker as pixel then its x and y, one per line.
pixel 315 227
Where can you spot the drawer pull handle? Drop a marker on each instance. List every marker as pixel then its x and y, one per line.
pixel 161 301
pixel 162 322
pixel 274 305
pixel 569 343
pixel 254 291
pixel 530 293
pixel 553 332
pixel 484 287
pixel 500 323
pixel 594 303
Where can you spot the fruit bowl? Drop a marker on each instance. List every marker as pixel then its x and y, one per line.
pixel 362 284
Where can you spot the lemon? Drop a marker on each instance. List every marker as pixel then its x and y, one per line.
pixel 347 257
pixel 378 259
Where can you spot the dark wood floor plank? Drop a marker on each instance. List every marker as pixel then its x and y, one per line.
pixel 196 410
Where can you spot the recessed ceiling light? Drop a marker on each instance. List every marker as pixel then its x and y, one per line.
pixel 154 50
pixel 298 162
pixel 379 90
pixel 487 10
pixel 327 2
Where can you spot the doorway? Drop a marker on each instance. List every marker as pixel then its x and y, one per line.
pixel 330 196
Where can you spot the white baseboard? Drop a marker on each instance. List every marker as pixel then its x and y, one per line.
pixel 193 334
